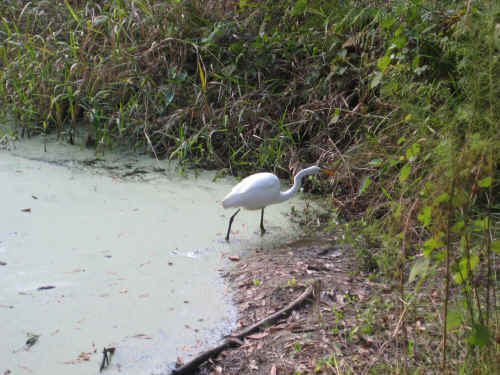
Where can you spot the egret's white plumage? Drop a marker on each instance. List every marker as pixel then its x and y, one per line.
pixel 254 192
pixel 259 190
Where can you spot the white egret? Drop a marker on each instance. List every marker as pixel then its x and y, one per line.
pixel 259 190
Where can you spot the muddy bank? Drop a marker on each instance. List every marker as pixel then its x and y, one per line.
pixel 323 335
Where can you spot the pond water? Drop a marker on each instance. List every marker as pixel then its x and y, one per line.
pixel 118 252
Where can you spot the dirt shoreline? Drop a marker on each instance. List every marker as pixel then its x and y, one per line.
pixel 314 338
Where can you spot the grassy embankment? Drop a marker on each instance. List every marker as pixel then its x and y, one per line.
pixel 401 97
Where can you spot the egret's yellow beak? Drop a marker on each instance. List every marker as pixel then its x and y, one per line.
pixel 327 171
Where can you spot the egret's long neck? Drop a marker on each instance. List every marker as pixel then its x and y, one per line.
pixel 297 182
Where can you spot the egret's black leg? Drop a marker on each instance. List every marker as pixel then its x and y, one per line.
pixel 231 223
pixel 262 229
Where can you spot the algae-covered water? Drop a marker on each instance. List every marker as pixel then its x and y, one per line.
pixel 120 251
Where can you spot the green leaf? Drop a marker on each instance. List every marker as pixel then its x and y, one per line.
pixel 169 96
pixel 453 319
pixel 399 41
pixel 463 242
pixel 440 255
pixel 73 14
pixel 237 47
pixel 364 185
pixel 459 278
pixel 495 245
pixel 397 211
pixel 299 8
pixel 431 244
pixel 419 269
pixel 474 260
pixel 202 75
pixel 391 163
pixel 415 62
pixel 425 216
pixel 383 62
pixel 335 117
pixel 386 193
pixel 341 70
pixel 376 80
pixel 457 226
pixel 481 224
pixel 443 197
pixel 463 274
pixel 485 182
pixel 412 151
pixel 480 335
pixel 388 22
pixel 375 162
pixel 404 173
pixel 99 20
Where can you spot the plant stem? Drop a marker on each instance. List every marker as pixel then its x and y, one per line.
pixel 447 274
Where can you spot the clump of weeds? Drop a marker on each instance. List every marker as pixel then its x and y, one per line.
pixel 399 97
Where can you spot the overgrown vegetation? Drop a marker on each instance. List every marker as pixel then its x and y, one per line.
pixel 401 97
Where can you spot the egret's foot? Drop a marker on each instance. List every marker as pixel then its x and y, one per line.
pixel 262 231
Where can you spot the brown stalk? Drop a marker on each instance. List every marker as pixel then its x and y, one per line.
pixel 447 275
pixel 467 12
pixel 402 282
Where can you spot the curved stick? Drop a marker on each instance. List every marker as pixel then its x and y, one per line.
pixel 234 339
